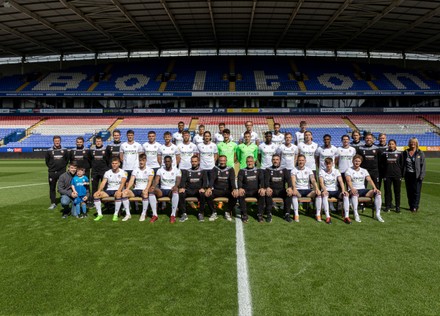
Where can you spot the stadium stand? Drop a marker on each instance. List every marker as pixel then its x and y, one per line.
pixel 251 73
pixel 319 125
pixel 141 125
pixel 400 128
pixel 68 127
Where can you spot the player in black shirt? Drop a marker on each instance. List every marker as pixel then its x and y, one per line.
pixel 391 168
pixel 80 155
pixel 193 184
pixel 278 183
pixel 112 149
pixel 251 184
pixel 370 154
pixel 56 158
pixel 98 162
pixel 221 184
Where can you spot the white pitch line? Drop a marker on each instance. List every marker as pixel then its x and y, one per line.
pixel 427 182
pixel 244 290
pixel 24 185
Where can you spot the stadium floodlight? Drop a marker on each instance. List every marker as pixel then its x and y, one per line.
pixel 232 52
pixel 352 54
pixel 144 54
pixel 203 52
pixel 386 55
pixel 430 57
pixel 261 52
pixel 174 53
pixel 10 60
pixel 290 52
pixel 109 55
pixel 42 59
pixel 320 53
pixel 71 57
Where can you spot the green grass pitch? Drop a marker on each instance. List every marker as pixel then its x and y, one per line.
pixel 49 265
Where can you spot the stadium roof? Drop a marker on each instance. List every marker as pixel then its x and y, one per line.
pixel 47 27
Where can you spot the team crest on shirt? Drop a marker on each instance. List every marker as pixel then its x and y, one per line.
pixel 395 155
pixel 62 151
pixel 84 151
pixel 227 172
pixel 374 151
pixel 199 173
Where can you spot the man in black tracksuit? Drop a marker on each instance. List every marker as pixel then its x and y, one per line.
pixel 277 181
pixel 193 184
pixel 56 158
pixel 112 149
pixel 370 154
pixel 383 147
pixel 80 156
pixel 221 184
pixel 98 162
pixel 251 184
pixel 391 168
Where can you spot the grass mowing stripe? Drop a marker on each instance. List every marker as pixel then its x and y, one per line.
pixel 427 182
pixel 21 186
pixel 244 293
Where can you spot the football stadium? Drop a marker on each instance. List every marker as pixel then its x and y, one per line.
pixel 215 157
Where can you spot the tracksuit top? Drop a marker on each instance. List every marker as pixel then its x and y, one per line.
pixel 276 178
pixel 222 179
pixel 194 179
pixel 57 159
pixel 98 160
pixel 251 179
pixel 391 163
pixel 371 156
pixel 80 156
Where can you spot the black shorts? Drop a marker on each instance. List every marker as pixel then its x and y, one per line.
pixel 304 192
pixel 110 192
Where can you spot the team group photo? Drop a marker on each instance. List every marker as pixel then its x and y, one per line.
pixel 224 158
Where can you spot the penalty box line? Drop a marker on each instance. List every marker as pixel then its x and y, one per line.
pixel 244 290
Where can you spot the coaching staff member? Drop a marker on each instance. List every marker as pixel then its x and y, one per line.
pixel 56 158
pixel 414 170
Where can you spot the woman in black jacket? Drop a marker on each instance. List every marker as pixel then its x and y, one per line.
pixel 414 171
pixel 391 168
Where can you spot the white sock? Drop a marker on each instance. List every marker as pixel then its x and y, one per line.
pixel 117 206
pixel 153 203
pixel 318 203
pixel 98 206
pixel 378 204
pixel 354 201
pixel 126 204
pixel 144 206
pixel 325 206
pixel 295 205
pixel 174 203
pixel 346 207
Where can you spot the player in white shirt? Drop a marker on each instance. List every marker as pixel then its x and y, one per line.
pixel 218 137
pixel 308 149
pixel 168 149
pixel 326 151
pixel 198 139
pixel 141 178
pixel 187 149
pixel 266 150
pixel 115 179
pixel 166 183
pixel 151 149
pixel 178 136
pixel 208 152
pixel 254 135
pixel 288 152
pixel 304 184
pixel 129 153
pixel 356 177
pixel 277 137
pixel 330 181
pixel 299 136
pixel 346 154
